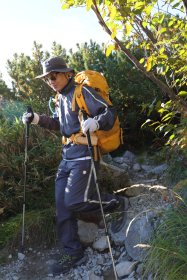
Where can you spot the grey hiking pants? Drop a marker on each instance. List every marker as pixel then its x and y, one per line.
pixel 74 193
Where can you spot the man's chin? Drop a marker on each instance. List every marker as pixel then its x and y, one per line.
pixel 55 88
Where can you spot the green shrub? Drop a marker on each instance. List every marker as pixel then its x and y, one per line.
pixel 44 154
pixel 167 258
pixel 177 170
pixel 39 229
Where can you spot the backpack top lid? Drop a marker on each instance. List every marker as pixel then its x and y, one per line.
pixel 93 79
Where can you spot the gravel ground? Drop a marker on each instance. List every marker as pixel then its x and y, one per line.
pixel 36 263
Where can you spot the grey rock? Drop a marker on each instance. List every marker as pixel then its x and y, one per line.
pixel 93 276
pixel 132 274
pixel 108 274
pixel 113 177
pixel 100 260
pixel 15 277
pixel 136 189
pixel 87 232
pixel 125 166
pixel 107 158
pixel 139 269
pixel 138 232
pixel 150 277
pixel 21 256
pixel 127 161
pixel 119 237
pixel 101 244
pixel 118 160
pixel 125 268
pixel 130 156
pixel 136 167
pixel 146 167
pixel 159 169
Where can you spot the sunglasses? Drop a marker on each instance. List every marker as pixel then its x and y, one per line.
pixel 51 77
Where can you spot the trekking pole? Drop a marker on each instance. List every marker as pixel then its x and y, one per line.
pixel 93 168
pixel 29 110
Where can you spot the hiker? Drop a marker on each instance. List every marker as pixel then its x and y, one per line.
pixel 75 190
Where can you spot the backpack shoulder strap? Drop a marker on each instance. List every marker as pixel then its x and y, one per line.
pixel 79 98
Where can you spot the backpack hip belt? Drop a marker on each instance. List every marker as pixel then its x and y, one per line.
pixel 81 139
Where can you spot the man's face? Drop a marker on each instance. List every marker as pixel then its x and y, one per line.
pixel 56 80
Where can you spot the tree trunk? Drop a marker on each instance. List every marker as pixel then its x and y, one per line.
pixel 163 87
pixel 185 5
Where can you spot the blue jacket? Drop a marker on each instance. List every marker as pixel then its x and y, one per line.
pixel 68 121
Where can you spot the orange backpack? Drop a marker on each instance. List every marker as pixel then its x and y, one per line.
pixel 109 140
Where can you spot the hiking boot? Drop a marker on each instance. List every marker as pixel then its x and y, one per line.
pixel 119 217
pixel 66 262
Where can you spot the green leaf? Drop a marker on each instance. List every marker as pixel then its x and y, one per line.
pixel 166 132
pixel 182 52
pixel 172 136
pixel 163 56
pixel 161 50
pixel 148 10
pixel 139 5
pixel 128 28
pixel 171 22
pixel 182 93
pixel 65 7
pixel 167 117
pixel 160 127
pixel 113 12
pixel 144 24
pixel 88 4
pixel 142 60
pixel 109 49
pixel 129 45
pixel 162 30
pixel 114 32
pixel 155 123
pixel 162 110
pixel 176 5
pixel 149 63
pixel 17 120
pixel 147 121
pixel 161 18
pixel 168 103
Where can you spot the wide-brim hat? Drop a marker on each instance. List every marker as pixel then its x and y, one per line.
pixel 54 64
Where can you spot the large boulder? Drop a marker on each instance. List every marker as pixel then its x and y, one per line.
pixel 138 237
pixel 112 178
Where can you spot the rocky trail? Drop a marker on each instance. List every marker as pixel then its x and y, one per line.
pixel 143 184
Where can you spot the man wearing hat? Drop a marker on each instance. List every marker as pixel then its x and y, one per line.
pixel 74 184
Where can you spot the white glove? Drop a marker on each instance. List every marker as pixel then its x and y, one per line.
pixel 34 120
pixel 89 124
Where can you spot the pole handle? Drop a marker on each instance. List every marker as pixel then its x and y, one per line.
pixel 84 115
pixel 29 110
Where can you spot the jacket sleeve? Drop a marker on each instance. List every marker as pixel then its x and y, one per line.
pixel 49 122
pixel 98 108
